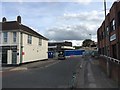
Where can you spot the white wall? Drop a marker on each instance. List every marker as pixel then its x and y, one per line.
pixel 9 57
pixel 11 43
pixel 18 47
pixel 33 51
pixel 10 39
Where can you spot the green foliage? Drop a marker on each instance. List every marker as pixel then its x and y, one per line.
pixel 77 47
pixel 87 43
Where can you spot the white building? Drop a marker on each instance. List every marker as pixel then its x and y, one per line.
pixel 21 44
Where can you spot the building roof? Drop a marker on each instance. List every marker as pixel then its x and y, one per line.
pixel 60 43
pixel 15 25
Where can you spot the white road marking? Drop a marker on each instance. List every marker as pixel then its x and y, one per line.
pixel 19 68
pixel 51 64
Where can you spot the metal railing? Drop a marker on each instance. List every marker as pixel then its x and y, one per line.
pixel 111 59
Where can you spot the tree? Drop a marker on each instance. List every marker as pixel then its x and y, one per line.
pixel 77 47
pixel 87 42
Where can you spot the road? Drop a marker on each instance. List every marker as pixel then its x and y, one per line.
pixel 58 75
pixel 75 71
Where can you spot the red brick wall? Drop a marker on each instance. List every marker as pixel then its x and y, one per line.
pixel 114 68
pixel 112 11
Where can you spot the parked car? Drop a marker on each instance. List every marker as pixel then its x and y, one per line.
pixel 61 55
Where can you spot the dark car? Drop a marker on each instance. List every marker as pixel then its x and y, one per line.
pixel 61 55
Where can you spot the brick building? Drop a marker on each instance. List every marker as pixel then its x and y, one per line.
pixel 109 41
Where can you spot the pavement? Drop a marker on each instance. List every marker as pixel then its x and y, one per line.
pixel 26 66
pixel 90 75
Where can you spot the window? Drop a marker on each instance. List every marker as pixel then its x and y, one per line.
pixel 29 39
pixel 112 25
pixel 40 42
pixel 105 33
pixel 119 17
pixel 5 36
pixel 102 36
pixel 114 53
pixel 100 52
pixel 105 50
pixel 107 30
pixel 14 36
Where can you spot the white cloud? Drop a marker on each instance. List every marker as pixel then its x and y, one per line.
pixel 73 32
pixel 76 42
pixel 79 1
pixel 87 23
pixel 90 16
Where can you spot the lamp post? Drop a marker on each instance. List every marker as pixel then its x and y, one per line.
pixel 90 36
pixel 105 7
pixel 108 72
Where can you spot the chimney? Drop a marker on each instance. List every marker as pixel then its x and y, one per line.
pixel 19 19
pixel 4 19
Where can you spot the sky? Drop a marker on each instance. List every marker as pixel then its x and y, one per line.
pixel 58 20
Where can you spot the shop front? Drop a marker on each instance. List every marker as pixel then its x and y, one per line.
pixel 9 55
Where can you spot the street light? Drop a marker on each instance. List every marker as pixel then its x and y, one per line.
pixel 108 73
pixel 105 7
pixel 90 36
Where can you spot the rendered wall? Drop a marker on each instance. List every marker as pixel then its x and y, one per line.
pixel 34 52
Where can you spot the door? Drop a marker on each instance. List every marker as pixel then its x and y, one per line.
pixel 114 51
pixel 14 57
pixel 4 56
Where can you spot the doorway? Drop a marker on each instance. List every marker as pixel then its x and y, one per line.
pixel 14 56
pixel 114 51
pixel 4 56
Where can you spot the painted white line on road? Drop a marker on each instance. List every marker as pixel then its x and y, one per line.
pixel 19 68
pixel 52 64
pixel 25 68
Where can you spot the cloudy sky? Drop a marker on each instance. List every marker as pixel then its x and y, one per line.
pixel 58 20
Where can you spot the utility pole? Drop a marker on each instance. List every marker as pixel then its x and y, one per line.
pixel 108 72
pixel 90 36
pixel 105 7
